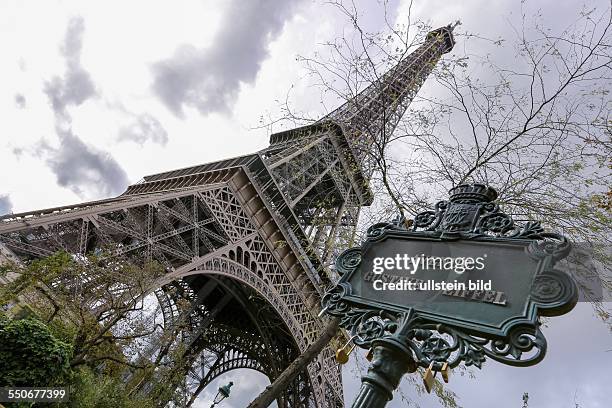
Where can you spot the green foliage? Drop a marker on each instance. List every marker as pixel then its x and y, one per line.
pixel 39 271
pixel 62 330
pixel 94 390
pixel 51 336
pixel 31 355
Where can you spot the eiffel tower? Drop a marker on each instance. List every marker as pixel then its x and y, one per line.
pixel 247 241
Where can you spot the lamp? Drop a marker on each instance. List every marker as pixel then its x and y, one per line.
pixel 223 393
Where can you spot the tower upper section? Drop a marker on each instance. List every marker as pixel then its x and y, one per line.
pixel 334 158
pixel 373 114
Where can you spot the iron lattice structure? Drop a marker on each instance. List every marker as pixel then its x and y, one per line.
pixel 246 242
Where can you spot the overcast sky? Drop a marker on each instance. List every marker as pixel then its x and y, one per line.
pixel 96 95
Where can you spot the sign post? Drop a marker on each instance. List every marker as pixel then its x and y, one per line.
pixel 463 285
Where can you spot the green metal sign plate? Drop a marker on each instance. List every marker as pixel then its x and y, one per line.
pixel 482 286
pixel 464 283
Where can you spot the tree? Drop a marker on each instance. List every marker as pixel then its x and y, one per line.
pixel 87 301
pixel 81 321
pixel 530 119
pixel 102 308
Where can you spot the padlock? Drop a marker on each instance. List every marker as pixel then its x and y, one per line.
pixel 428 378
pixel 445 371
pixel 342 355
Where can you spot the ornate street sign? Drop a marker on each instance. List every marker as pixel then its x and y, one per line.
pixel 465 283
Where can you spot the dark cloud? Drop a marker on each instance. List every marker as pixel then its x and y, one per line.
pixel 5 204
pixel 77 166
pixel 209 79
pixel 83 169
pixel 76 86
pixel 145 127
pixel 20 101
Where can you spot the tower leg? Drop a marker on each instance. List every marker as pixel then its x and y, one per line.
pixel 280 384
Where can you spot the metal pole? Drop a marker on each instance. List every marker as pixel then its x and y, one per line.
pixel 391 360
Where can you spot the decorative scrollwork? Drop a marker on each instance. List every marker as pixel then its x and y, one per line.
pixel 368 325
pixel 552 289
pixel 348 260
pixel 365 325
pixel 496 223
pixel 446 344
pixel 520 340
pixel 550 244
pixel 474 356
pixel 436 344
pixel 441 206
pixel 472 212
pixel 430 220
pixel 546 289
pixel 424 219
pixel 436 349
pixel 530 230
pixel 378 230
pixel 334 302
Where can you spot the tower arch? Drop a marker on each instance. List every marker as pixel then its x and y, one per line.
pixel 272 220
